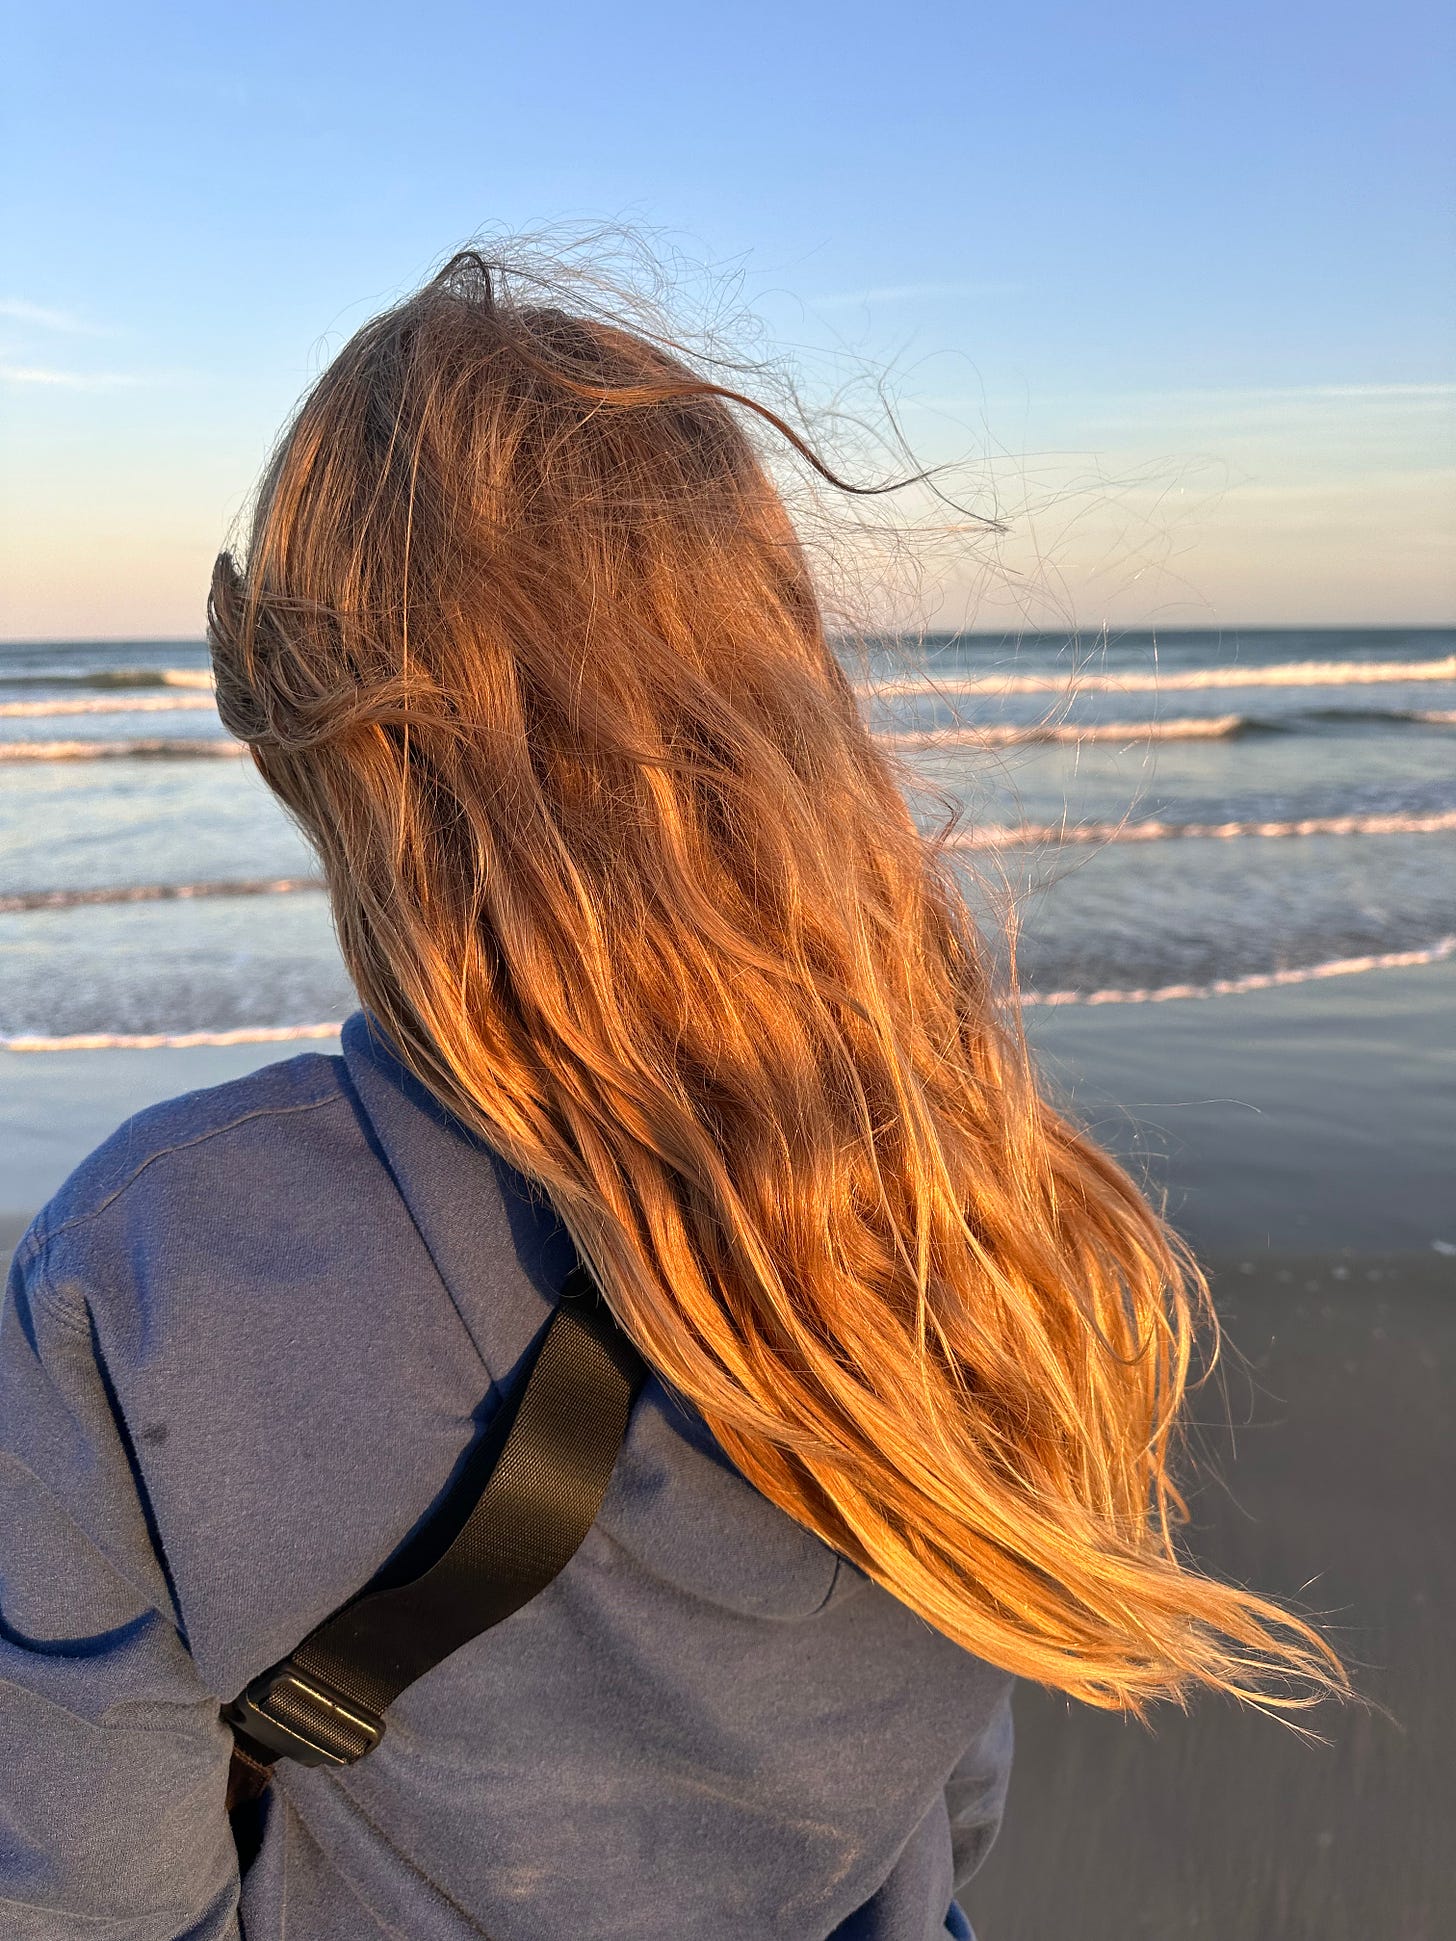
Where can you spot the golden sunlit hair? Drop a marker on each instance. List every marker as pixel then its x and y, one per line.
pixel 525 639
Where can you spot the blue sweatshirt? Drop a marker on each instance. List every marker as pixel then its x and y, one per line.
pixel 244 1351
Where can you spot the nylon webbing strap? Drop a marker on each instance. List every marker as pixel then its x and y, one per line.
pixel 514 1518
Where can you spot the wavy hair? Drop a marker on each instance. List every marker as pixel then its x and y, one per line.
pixel 523 636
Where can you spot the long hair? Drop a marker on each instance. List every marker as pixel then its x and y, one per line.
pixel 524 638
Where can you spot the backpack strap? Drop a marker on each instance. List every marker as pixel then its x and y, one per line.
pixel 523 1502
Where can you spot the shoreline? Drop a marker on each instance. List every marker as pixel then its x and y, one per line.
pixel 1318 1119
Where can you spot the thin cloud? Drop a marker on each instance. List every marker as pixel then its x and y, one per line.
pixel 910 293
pixel 21 310
pixel 65 380
pixel 1317 409
pixel 1233 396
pixel 1278 394
pixel 1384 391
pixel 1207 403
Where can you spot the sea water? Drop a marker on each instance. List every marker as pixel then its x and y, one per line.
pixel 1170 814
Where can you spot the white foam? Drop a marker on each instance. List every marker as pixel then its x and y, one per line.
pixel 1212 727
pixel 996 836
pixel 1445 717
pixel 1162 994
pixel 98 704
pixel 1260 981
pixel 1061 834
pixel 153 893
pixel 1187 680
pixel 280 1034
pixel 107 677
pixel 95 751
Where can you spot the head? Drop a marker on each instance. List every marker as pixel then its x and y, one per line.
pixel 524 638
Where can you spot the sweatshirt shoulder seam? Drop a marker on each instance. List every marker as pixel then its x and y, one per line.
pixel 45 1237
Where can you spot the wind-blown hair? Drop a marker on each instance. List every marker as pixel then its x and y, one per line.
pixel 524 638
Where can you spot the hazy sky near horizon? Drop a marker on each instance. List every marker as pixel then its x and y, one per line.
pixel 1174 287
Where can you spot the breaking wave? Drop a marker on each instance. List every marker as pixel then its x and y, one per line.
pixel 1060 834
pixel 991 736
pixel 97 704
pixel 985 735
pixel 991 836
pixel 1210 727
pixel 1188 680
pixel 96 751
pixel 113 677
pixel 1434 953
pixel 278 1034
pixel 154 893
pixel 1170 681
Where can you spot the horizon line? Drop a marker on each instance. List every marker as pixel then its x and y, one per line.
pixel 894 633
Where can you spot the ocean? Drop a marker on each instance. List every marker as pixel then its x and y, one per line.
pixel 1176 812
pixel 1184 819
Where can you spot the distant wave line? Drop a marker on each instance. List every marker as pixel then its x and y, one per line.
pixel 278 1034
pixel 1172 680
pixel 1290 723
pixel 986 735
pixel 95 751
pixel 114 677
pixel 154 893
pixel 98 704
pixel 994 836
pixel 996 735
pixel 1000 836
pixel 1186 680
pixel 1160 994
pixel 1158 681
pixel 1260 981
pixel 1213 727
pixel 1195 727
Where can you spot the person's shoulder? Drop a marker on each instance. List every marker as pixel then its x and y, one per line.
pixel 234 1133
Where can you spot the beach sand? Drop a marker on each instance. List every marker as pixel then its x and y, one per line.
pixel 1333 1489
pixel 1308 1120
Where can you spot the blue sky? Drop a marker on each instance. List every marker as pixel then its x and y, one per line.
pixel 1173 284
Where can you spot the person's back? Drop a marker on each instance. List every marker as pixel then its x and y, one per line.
pixel 659 976
pixel 307 1292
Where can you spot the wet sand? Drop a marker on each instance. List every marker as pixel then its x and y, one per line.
pixel 1309 1120
pixel 1335 1490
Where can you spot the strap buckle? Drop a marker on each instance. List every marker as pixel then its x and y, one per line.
pixel 293 1716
